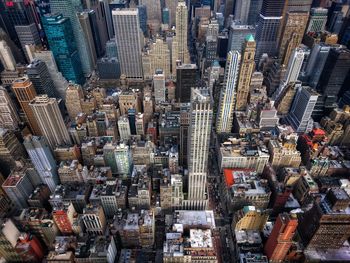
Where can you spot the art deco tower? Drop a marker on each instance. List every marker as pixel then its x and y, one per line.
pixel 201 115
pixel 25 92
pixel 50 120
pixel 245 73
pixel 228 93
pixel 180 49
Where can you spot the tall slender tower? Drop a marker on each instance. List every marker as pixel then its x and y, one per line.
pixel 268 27
pixel 228 93
pixel 198 146
pixel 128 37
pixel 293 26
pixel 69 9
pixel 42 159
pixel 50 120
pixel 6 56
pixel 280 239
pixel 171 5
pixel 9 118
pixel 180 49
pixel 245 72
pixel 25 92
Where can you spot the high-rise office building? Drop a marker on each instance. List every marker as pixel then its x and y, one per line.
pixel 74 95
pixel 123 159
pixel 9 235
pixel 143 18
pixel 268 27
pixel 39 75
pixel 224 118
pixel 43 160
pixel 179 46
pixel 18 185
pixel 254 11
pixel 293 27
pixel 86 26
pixel 28 35
pixel 334 72
pixel 50 120
pixel 186 78
pixel 6 56
pixel 171 5
pixel 62 43
pixel 69 9
pixel 59 81
pixel 281 237
pixel 25 93
pixel 317 20
pixel 331 80
pixel 129 44
pixel 316 62
pixel 245 72
pixel 159 87
pixel 9 118
pixel 242 11
pixel 10 150
pixel 294 65
pixel 156 58
pixel 124 128
pixel 237 36
pixel 201 114
pixel 98 41
pixel 154 13
pixel 300 113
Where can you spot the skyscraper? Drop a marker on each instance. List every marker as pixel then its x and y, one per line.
pixel 201 115
pixel 69 9
pixel 293 27
pixel 228 93
pixel 245 72
pixel 268 27
pixel 10 150
pixel 180 48
pixel 317 20
pixel 9 118
pixel 74 95
pixel 63 46
pixel 59 81
pixel 86 27
pixel 300 113
pixel 242 11
pixel 316 61
pixel 254 11
pixel 280 239
pixel 50 120
pixel 157 58
pixel 127 32
pixel 294 65
pixel 159 87
pixel 186 78
pixel 42 159
pixel 238 34
pixel 171 5
pixel 25 93
pixel 39 75
pixel 6 56
pixel 28 35
pixel 154 13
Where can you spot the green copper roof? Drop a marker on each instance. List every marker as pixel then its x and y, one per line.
pixel 250 38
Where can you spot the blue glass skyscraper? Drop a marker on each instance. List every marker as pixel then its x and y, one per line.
pixel 143 18
pixel 62 44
